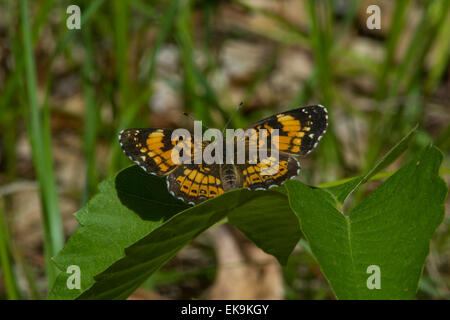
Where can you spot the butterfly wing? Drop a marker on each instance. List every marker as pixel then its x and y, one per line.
pixel 269 172
pixel 195 183
pixel 150 148
pixel 299 129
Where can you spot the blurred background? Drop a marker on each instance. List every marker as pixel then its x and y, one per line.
pixel 65 94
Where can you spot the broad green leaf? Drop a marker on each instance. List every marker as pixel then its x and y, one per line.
pixel 150 253
pixel 390 229
pixel 126 209
pixel 342 191
pixel 134 226
pixel 270 224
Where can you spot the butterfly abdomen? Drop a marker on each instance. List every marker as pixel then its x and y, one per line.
pixel 229 177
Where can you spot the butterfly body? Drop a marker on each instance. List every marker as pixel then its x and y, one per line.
pixel 230 177
pixel 299 132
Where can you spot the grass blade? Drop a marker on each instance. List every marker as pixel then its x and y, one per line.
pixel 53 232
pixel 12 291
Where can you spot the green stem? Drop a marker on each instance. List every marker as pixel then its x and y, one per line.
pixel 378 176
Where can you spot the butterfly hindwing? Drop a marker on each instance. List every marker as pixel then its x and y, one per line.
pixel 195 183
pixel 269 172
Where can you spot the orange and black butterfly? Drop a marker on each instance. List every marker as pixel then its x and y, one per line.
pixel 299 131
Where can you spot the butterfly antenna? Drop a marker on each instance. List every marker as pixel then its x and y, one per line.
pixel 193 119
pixel 232 116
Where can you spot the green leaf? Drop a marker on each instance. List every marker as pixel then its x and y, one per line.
pixel 342 191
pixel 134 226
pixel 391 229
pixel 127 208
pixel 150 253
pixel 270 223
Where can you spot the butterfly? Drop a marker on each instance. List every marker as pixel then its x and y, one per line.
pixel 299 131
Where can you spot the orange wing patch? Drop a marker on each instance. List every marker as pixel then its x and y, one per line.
pixel 155 146
pixel 290 138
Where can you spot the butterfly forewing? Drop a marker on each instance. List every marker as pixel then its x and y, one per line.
pixel 299 129
pixel 149 148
